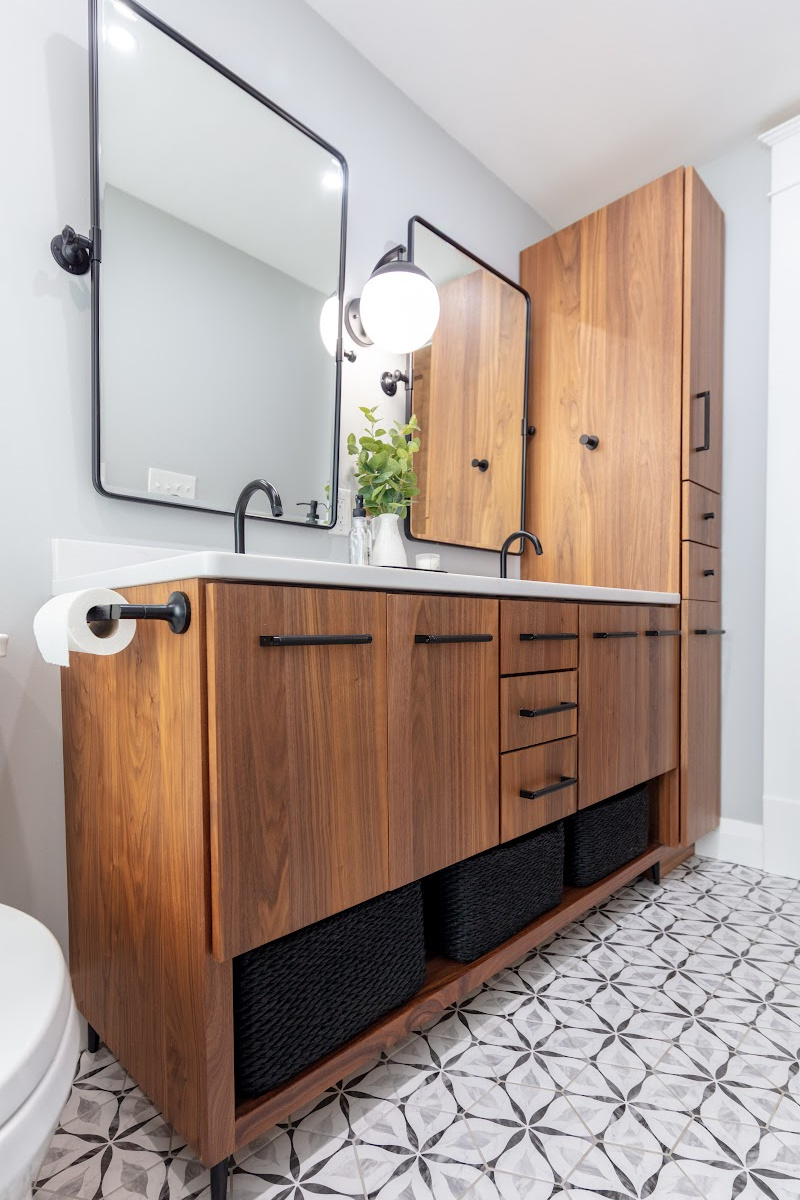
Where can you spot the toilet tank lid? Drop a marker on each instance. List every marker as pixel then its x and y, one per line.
pixel 35 996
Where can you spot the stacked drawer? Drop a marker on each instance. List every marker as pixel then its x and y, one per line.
pixel 538 714
pixel 700 549
pixel 701 624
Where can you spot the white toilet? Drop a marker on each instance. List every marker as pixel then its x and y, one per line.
pixel 38 1047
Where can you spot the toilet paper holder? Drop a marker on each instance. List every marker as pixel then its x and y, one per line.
pixel 177 612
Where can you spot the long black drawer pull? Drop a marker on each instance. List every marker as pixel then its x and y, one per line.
pixel 438 639
pixel 291 639
pixel 662 633
pixel 565 706
pixel 710 632
pixel 709 572
pixel 548 637
pixel 709 516
pixel 566 781
pixel 616 635
pixel 706 398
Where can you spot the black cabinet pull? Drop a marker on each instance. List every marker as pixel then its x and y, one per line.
pixel 566 781
pixel 662 633
pixel 481 463
pixel 709 572
pixel 709 516
pixel 438 639
pixel 615 635
pixel 706 398
pixel 590 440
pixel 564 706
pixel 291 639
pixel 710 632
pixel 548 637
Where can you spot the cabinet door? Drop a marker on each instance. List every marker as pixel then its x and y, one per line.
pixel 608 722
pixel 485 385
pixel 444 741
pixel 607 305
pixel 297 757
pixel 700 718
pixel 658 693
pixel 704 268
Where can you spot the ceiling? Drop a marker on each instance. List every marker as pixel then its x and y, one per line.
pixel 575 102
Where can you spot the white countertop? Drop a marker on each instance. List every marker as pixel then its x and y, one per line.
pixel 263 568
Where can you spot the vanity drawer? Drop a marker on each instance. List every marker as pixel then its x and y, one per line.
pixel 536 696
pixel 700 572
pixel 701 515
pixel 537 635
pixel 535 771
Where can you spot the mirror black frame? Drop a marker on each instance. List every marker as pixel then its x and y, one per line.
pixel 96 258
pixel 417 220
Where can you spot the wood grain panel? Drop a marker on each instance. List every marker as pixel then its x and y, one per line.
pixel 446 983
pixel 530 770
pixel 297 759
pixel 608 724
pixel 701 656
pixel 658 693
pixel 534 693
pixel 700 571
pixel 551 622
pixel 137 871
pixel 469 397
pixel 701 515
pixel 703 317
pixel 444 738
pixel 606 297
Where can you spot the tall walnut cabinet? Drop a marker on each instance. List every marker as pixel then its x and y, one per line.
pixel 627 325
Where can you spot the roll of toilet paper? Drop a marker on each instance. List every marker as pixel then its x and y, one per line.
pixel 60 626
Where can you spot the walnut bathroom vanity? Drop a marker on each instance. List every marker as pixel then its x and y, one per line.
pixel 301 749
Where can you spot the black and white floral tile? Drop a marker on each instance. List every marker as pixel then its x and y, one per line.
pixel 649 1050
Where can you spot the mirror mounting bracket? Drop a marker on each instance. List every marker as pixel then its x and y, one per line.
pixel 74 252
pixel 390 380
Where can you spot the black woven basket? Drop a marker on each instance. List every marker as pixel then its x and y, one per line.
pixel 604 837
pixel 297 999
pixel 475 905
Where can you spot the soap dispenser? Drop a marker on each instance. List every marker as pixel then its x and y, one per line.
pixel 360 536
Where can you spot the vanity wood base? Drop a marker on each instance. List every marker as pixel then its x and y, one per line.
pixel 183 759
pixel 445 983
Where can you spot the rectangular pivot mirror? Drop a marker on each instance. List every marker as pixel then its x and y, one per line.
pixel 470 389
pixel 223 227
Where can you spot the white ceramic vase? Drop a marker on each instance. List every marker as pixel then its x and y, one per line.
pixel 388 547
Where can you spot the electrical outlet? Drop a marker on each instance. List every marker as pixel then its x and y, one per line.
pixel 344 514
pixel 171 483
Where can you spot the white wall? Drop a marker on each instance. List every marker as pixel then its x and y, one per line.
pixel 782 656
pixel 401 163
pixel 740 182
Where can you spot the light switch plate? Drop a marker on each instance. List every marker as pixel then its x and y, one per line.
pixel 171 483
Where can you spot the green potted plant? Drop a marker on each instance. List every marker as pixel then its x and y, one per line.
pixel 384 471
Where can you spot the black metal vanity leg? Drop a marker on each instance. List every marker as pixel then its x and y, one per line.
pixel 219 1180
pixel 93 1039
pixel 656 872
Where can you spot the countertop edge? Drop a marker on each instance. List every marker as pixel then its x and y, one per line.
pixel 318 573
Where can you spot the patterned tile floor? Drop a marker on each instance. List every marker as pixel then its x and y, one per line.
pixel 650 1049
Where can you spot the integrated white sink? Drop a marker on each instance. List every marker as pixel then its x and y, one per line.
pixel 77 567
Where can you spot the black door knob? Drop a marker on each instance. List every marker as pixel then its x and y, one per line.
pixel 481 463
pixel 590 441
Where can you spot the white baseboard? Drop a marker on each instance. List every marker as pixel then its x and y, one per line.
pixel 739 842
pixel 782 836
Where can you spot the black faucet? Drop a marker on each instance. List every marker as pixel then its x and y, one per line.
pixel 245 496
pixel 513 537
